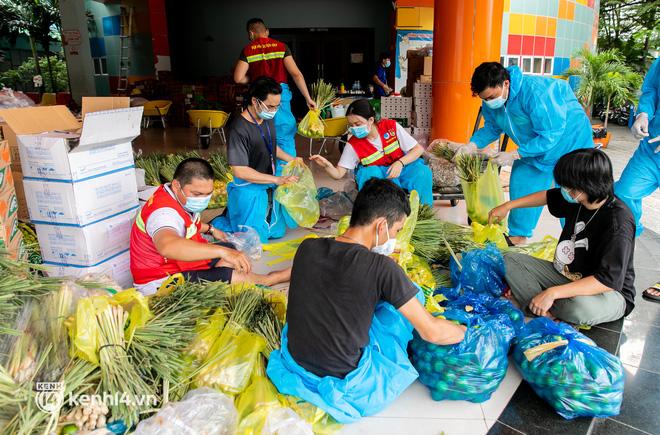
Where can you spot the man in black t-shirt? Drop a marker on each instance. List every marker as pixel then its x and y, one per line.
pixel 350 314
pixel 591 279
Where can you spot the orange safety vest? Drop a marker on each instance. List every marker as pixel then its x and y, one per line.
pixel 146 262
pixel 369 155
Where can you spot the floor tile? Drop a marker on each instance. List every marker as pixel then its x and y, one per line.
pixel 493 407
pixel 607 426
pixel 415 426
pixel 640 400
pixel 604 338
pixel 640 345
pixel 416 402
pixel 528 413
pixel 645 311
pixel 498 428
pixel 612 326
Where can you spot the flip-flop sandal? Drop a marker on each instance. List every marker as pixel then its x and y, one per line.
pixel 646 294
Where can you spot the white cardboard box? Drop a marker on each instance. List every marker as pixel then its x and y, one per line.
pixel 81 203
pixel 86 246
pixel 103 145
pixel 118 268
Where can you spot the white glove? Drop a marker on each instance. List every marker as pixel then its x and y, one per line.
pixel 654 140
pixel 469 148
pixel 640 128
pixel 505 158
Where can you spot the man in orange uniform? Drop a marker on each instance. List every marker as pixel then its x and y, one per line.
pixel 167 236
pixel 265 56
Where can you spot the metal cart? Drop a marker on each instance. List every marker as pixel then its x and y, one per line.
pixel 455 193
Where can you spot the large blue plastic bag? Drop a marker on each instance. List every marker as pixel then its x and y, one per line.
pixel 577 378
pixel 490 308
pixel 482 271
pixel 470 370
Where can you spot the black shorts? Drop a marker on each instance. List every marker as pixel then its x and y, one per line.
pixel 212 273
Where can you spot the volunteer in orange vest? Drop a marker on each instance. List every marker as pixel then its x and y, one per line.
pixel 167 236
pixel 381 149
pixel 267 57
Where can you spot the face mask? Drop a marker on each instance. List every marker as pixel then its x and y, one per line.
pixel 388 64
pixel 568 197
pixel 197 204
pixel 359 131
pixel 265 113
pixel 386 248
pixel 496 103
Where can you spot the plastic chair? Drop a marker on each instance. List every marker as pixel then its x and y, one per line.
pixel 334 129
pixel 48 99
pixel 214 120
pixel 155 109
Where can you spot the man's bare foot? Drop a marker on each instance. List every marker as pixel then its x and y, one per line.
pixel 278 277
pixel 518 240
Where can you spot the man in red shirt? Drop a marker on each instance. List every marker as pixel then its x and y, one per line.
pixel 265 56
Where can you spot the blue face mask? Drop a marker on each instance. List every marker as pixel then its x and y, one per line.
pixel 197 204
pixel 388 64
pixel 359 131
pixel 568 197
pixel 496 103
pixel 266 114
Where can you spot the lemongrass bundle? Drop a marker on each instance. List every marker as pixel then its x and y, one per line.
pixel 221 169
pixel 151 164
pixel 470 167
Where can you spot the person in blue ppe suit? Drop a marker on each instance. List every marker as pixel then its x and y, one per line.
pixel 267 57
pixel 351 312
pixel 641 177
pixel 542 116
pixel 380 77
pixel 251 153
pixel 381 149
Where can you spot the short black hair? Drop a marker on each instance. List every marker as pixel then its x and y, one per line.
pixel 384 55
pixel 379 198
pixel 488 75
pixel 588 170
pixel 255 25
pixel 193 167
pixel 362 108
pixel 262 87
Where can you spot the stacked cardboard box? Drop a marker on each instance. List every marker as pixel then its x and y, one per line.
pixel 10 235
pixel 80 187
pixel 396 108
pixel 423 106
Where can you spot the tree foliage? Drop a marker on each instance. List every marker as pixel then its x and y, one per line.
pixel 21 78
pixel 632 27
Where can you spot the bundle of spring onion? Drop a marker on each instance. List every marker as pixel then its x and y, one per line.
pixel 470 167
pixel 169 163
pixel 151 164
pixel 441 149
pixel 221 169
pixel 312 125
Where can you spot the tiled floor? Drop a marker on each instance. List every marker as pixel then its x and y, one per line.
pixel 514 408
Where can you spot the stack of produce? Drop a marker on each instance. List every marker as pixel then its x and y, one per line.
pixel 470 370
pixel 312 125
pixel 159 168
pixel 567 369
pixel 440 158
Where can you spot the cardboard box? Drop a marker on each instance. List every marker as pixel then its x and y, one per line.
pixel 100 104
pixel 428 66
pixel 86 246
pixel 8 205
pixel 6 178
pixel 103 145
pixel 118 268
pixel 20 196
pixel 81 203
pixel 14 247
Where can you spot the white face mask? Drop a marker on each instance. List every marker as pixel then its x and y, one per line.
pixel 386 248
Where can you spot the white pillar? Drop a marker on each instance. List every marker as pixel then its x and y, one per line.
pixel 77 51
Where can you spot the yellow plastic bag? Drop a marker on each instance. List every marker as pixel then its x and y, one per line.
pixel 299 198
pixel 284 251
pixel 208 330
pixel 231 360
pixel 322 422
pixel 483 195
pixel 312 125
pixel 343 224
pixel 256 402
pixel 490 233
pixel 545 249
pixel 403 245
pixel 138 308
pixel 420 273
pixel 84 330
pixel 278 300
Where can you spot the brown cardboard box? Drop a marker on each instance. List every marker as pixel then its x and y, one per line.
pixel 428 66
pixel 20 196
pixel 37 119
pixel 426 79
pixel 99 104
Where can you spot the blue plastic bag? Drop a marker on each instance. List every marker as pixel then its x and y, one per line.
pixel 470 370
pixel 383 372
pixel 490 308
pixel 482 271
pixel 576 377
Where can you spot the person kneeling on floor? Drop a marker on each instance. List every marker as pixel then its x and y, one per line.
pixel 351 312
pixel 591 280
pixel 167 236
pixel 381 149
